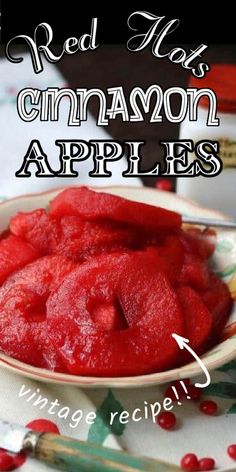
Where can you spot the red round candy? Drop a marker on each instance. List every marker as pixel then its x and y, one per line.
pixel 194 392
pixel 206 463
pixel 189 463
pixel 232 451
pixel 166 420
pixel 169 393
pixel 43 426
pixel 164 184
pixel 208 407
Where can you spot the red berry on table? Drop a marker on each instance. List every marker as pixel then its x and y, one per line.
pixel 186 382
pixel 166 420
pixel 194 392
pixel 164 184
pixel 206 463
pixel 169 393
pixel 232 451
pixel 189 463
pixel 208 407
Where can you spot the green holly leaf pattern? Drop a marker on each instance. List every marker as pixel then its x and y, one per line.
pixel 221 389
pixel 226 367
pixel 232 409
pixel 229 270
pixel 224 246
pixel 101 427
pixel 229 369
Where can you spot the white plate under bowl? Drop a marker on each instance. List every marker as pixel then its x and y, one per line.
pixel 224 261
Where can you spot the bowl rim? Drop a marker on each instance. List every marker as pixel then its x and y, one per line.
pixel 218 214
pixel 188 370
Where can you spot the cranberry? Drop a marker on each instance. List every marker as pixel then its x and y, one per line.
pixel 208 407
pixel 6 460
pixel 166 420
pixel 232 451
pixel 43 426
pixel 194 392
pixel 180 391
pixel 206 463
pixel 189 463
pixel 169 393
pixel 164 184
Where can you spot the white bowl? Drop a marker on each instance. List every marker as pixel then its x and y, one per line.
pixel 225 263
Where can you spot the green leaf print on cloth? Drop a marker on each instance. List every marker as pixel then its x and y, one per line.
pixel 229 270
pixel 232 409
pixel 221 389
pixel 229 369
pixel 224 246
pixel 101 427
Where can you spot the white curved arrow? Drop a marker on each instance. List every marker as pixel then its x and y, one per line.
pixel 183 343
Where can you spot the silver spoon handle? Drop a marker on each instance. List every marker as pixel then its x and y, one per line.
pixel 195 220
